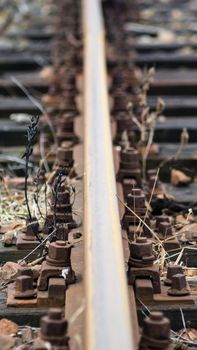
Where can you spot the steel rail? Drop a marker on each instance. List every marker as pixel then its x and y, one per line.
pixel 107 320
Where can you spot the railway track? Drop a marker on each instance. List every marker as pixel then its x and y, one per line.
pixel 98 176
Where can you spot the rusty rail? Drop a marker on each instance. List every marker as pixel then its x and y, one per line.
pixel 108 323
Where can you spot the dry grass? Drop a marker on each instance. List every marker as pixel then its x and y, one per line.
pixel 146 120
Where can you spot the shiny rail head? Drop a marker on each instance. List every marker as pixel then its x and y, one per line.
pixel 108 323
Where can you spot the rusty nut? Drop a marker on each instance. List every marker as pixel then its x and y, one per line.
pixel 136 199
pixel 54 327
pixel 161 218
pixel 130 155
pixel 165 229
pixel 172 270
pixel 141 249
pixel 59 254
pixel 24 287
pixel 179 286
pixel 156 326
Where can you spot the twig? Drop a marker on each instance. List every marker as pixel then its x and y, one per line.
pixel 150 200
pixel 183 319
pixel 31 134
pixel 184 139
